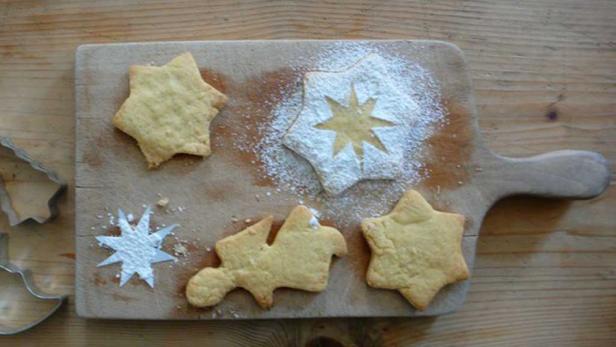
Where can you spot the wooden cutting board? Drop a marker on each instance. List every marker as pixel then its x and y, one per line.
pixel 212 194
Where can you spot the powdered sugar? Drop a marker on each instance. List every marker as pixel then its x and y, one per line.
pixel 136 248
pixel 368 83
pixel 404 80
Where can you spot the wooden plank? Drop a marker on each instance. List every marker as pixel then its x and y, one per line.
pixel 527 59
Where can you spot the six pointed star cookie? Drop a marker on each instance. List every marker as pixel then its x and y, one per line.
pixel 415 249
pixel 298 258
pixel 361 137
pixel 169 109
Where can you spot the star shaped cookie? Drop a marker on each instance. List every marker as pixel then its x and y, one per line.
pixel 354 124
pixel 415 249
pixel 169 109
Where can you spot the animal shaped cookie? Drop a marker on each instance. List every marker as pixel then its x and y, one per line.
pixel 298 258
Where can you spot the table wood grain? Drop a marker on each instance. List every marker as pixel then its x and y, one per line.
pixel 544 73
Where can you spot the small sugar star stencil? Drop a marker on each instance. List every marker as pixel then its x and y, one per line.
pixel 136 248
pixel 354 124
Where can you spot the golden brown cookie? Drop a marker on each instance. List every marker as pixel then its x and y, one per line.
pixel 298 258
pixel 169 109
pixel 415 249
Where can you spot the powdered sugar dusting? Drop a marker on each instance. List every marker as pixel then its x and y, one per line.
pixel 136 248
pixel 369 121
pixel 293 174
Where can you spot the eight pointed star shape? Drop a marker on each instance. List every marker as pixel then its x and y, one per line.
pixel 354 124
pixel 136 248
pixel 415 249
pixel 169 109
pixel 366 144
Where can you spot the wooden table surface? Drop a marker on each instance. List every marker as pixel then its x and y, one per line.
pixel 544 73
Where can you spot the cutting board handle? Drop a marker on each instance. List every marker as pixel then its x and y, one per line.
pixel 561 174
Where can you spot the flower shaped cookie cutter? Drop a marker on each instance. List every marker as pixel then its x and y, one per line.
pixel 13 162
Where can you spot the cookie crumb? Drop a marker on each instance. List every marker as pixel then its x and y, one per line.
pixel 162 202
pixel 180 250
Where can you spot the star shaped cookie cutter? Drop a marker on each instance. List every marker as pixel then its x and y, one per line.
pixel 8 149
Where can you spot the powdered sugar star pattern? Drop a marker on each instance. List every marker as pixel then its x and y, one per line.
pixel 136 248
pixel 354 125
pixel 368 83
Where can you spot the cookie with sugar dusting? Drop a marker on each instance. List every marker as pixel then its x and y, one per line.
pixel 298 258
pixel 169 110
pixel 354 124
pixel 415 249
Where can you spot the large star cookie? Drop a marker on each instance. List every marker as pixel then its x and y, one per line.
pixel 354 124
pixel 298 258
pixel 415 249
pixel 169 109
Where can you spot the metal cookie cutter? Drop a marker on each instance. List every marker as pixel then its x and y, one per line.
pixel 26 277
pixel 8 149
